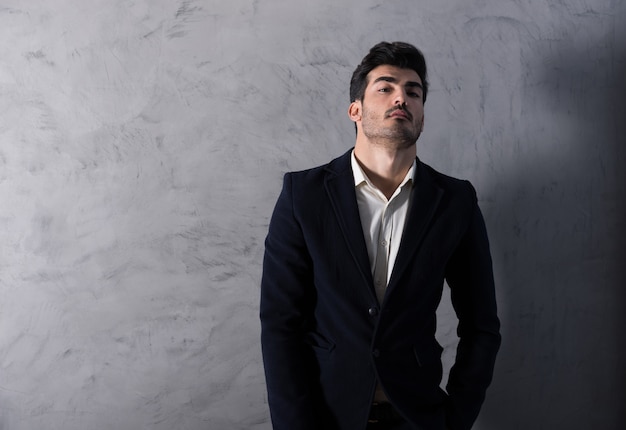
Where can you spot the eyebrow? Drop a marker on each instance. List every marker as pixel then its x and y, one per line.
pixel 394 80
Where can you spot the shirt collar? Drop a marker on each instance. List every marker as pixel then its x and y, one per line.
pixel 360 176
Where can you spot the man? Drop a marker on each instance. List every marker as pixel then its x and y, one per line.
pixel 356 257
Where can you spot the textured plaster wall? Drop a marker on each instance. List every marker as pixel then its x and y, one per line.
pixel 142 145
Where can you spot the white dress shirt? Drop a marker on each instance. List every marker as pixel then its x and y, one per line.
pixel 382 221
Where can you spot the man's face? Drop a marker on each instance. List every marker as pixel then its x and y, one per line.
pixel 392 109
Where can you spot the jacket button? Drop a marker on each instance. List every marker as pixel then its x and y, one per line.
pixel 373 311
pixel 376 353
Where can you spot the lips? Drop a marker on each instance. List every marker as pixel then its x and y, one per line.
pixel 399 113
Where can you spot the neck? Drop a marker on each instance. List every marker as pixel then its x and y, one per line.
pixel 386 167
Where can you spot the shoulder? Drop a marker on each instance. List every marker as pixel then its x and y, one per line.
pixel 319 174
pixel 448 183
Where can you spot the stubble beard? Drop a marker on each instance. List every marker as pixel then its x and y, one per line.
pixel 396 136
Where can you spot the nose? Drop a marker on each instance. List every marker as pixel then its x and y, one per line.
pixel 400 99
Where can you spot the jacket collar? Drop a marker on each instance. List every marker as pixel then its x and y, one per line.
pixel 339 184
pixel 426 197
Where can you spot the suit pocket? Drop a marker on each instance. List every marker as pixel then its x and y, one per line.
pixel 321 346
pixel 429 368
pixel 428 354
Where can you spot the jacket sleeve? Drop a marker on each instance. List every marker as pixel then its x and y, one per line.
pixel 286 311
pixel 469 274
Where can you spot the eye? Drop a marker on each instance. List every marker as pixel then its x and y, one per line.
pixel 414 94
pixel 384 90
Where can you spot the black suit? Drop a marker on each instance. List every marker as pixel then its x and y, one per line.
pixel 326 340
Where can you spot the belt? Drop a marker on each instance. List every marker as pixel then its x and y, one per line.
pixel 384 413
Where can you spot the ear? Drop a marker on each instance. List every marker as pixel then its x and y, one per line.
pixel 355 110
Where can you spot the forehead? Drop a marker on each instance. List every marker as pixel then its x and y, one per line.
pixel 400 75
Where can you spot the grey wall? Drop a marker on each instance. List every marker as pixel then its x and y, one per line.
pixel 142 145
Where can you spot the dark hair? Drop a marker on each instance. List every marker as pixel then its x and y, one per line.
pixel 399 54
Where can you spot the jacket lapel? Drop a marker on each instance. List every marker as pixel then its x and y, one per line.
pixel 339 185
pixel 425 199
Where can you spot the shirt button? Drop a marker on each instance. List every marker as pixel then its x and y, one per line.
pixel 376 353
pixel 372 311
pixel 383 243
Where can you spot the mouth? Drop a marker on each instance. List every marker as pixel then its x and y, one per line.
pixel 399 113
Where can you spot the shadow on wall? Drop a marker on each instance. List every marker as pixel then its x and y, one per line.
pixel 559 243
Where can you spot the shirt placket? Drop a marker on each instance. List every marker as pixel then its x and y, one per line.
pixel 383 244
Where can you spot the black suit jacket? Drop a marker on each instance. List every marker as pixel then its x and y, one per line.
pixel 325 338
